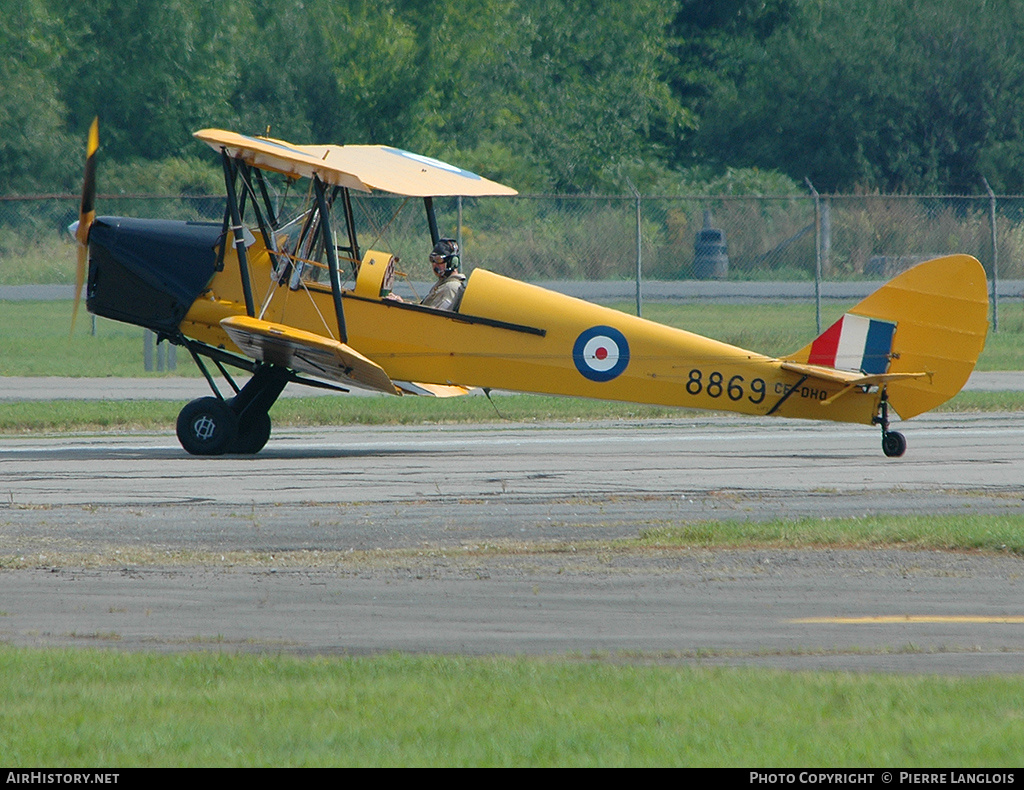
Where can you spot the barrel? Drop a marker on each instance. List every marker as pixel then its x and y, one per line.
pixel 710 257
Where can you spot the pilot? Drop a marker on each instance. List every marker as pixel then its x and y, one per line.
pixel 447 291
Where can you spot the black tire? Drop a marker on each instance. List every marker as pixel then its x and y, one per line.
pixel 207 426
pixel 252 435
pixel 894 444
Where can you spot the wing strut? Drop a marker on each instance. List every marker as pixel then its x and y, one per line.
pixel 269 240
pixel 428 203
pixel 350 222
pixel 332 256
pixel 236 223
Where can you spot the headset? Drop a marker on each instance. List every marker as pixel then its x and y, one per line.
pixel 450 255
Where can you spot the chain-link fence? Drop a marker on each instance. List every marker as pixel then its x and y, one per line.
pixel 801 238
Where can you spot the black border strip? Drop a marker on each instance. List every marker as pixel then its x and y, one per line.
pixel 466 319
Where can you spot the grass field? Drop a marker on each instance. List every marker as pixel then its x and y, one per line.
pixel 47 258
pixel 89 708
pixel 778 329
pixel 34 336
pixel 992 534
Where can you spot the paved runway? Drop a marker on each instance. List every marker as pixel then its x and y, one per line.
pixel 478 540
pixel 788 460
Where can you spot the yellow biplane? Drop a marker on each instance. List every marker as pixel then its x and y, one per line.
pixel 265 293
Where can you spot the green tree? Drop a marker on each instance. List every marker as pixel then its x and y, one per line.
pixel 704 38
pixel 571 89
pixel 374 58
pixel 878 94
pixel 327 71
pixel 35 151
pixel 153 70
pixel 278 82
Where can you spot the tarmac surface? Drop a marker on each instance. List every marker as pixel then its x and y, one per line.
pixel 498 539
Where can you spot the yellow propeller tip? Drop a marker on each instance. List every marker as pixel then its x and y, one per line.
pixel 94 137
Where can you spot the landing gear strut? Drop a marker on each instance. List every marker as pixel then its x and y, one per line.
pixel 213 425
pixel 894 443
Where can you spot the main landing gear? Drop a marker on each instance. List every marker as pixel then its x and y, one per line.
pixel 894 443
pixel 213 425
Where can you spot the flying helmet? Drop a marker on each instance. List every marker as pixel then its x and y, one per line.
pixel 446 250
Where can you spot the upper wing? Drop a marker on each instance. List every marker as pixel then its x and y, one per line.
pixel 361 167
pixel 405 173
pixel 279 156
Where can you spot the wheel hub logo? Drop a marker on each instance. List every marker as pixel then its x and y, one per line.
pixel 204 428
pixel 601 353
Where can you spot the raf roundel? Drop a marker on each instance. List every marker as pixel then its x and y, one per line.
pixel 601 353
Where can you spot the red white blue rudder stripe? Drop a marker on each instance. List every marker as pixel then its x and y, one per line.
pixel 855 342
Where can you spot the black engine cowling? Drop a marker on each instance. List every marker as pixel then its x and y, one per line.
pixel 148 272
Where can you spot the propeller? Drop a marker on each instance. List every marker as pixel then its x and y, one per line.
pixel 86 213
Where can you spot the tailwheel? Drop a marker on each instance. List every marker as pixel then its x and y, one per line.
pixel 894 444
pixel 253 433
pixel 207 426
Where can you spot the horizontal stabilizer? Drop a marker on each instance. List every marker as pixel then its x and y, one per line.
pixel 849 377
pixel 306 352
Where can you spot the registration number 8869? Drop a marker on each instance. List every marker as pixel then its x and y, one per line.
pixel 735 389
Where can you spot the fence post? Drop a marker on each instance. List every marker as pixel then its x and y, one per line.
pixel 817 254
pixel 166 354
pixel 458 229
pixel 995 256
pixel 826 237
pixel 639 259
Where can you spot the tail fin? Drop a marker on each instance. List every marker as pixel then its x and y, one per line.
pixel 931 319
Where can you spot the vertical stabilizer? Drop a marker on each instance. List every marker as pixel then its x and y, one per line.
pixel 931 319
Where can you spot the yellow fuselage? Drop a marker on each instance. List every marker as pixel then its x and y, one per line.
pixel 516 336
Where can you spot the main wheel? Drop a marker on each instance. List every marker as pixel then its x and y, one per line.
pixel 894 444
pixel 207 426
pixel 252 434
